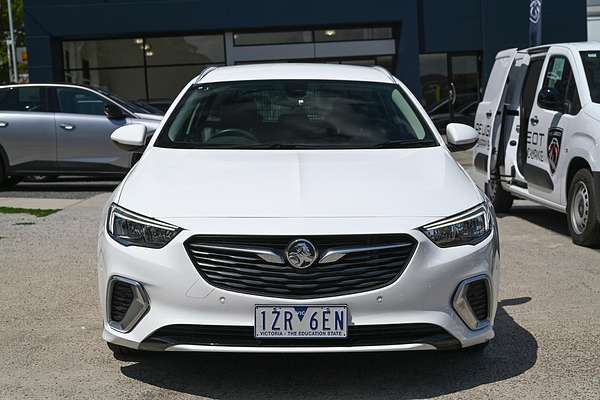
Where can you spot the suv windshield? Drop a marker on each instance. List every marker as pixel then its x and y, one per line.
pixel 591 65
pixel 288 114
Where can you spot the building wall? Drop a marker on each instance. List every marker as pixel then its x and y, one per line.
pixel 423 26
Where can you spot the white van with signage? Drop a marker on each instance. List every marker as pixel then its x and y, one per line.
pixel 553 93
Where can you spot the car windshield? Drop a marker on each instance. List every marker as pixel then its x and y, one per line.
pixel 290 114
pixel 591 65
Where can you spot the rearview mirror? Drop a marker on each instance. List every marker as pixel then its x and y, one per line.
pixel 112 111
pixel 461 137
pixel 549 99
pixel 129 137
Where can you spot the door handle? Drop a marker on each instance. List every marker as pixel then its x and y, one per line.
pixel 3 124
pixel 534 120
pixel 67 127
pixel 488 114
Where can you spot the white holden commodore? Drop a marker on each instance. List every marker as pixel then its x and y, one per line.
pixel 297 208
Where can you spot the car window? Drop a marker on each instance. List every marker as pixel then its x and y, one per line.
pixel 559 76
pixel 295 114
pixel 79 101
pixel 26 98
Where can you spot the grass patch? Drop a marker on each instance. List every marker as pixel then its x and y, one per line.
pixel 36 212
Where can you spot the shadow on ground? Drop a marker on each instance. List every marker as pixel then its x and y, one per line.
pixel 370 375
pixel 540 216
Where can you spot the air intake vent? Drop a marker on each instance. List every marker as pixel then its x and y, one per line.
pixel 477 297
pixel 122 296
pixel 257 264
pixel 127 303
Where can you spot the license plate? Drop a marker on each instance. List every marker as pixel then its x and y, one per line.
pixel 301 322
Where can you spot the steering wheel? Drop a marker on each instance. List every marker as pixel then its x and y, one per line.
pixel 235 132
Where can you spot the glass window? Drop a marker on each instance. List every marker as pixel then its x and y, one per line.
pixel 559 77
pixel 26 98
pixel 127 82
pixel 79 101
pixel 285 114
pixel 336 35
pixel 103 53
pixel 591 65
pixel 167 82
pixel 434 82
pixel 185 50
pixel 245 39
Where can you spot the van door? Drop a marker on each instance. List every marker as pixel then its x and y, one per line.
pixel 556 106
pixel 489 114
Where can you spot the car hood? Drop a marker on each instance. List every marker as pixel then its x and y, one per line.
pixel 177 183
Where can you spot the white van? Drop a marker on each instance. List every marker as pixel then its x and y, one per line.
pixel 554 92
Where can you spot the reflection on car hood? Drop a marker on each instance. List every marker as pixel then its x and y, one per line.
pixel 298 183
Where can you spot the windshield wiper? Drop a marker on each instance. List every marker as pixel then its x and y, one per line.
pixel 404 144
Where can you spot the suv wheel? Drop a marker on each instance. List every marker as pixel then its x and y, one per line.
pixel 581 210
pixel 501 199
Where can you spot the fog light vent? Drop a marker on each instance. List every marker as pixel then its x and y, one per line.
pixel 472 302
pixel 126 304
pixel 477 296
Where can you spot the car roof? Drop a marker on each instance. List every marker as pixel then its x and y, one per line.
pixel 575 46
pixel 56 84
pixel 303 71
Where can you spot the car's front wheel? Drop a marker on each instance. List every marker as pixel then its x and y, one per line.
pixel 121 352
pixel 582 210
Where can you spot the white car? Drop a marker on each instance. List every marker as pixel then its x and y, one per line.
pixel 539 126
pixel 297 208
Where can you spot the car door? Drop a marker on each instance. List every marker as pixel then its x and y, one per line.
pixel 551 115
pixel 83 133
pixel 489 114
pixel 27 136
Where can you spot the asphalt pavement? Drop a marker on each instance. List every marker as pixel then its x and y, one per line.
pixel 547 344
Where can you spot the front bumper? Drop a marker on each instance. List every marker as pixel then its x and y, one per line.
pixel 177 295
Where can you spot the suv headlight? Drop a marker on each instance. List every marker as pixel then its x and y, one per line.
pixel 469 227
pixel 131 229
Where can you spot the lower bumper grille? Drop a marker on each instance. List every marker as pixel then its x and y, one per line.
pixel 243 336
pixel 257 265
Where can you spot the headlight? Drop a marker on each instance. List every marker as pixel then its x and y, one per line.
pixel 132 229
pixel 469 227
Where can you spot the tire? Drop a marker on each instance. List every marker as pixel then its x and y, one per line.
pixel 122 352
pixel 501 199
pixel 478 348
pixel 582 210
pixel 6 182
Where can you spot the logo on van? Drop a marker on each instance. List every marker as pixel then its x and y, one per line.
pixel 554 142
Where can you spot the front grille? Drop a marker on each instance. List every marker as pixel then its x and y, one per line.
pixel 122 296
pixel 223 263
pixel 477 296
pixel 243 336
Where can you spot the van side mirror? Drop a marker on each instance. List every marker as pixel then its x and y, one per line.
pixel 549 98
pixel 461 137
pixel 112 111
pixel 129 137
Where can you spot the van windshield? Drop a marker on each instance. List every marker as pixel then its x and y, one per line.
pixel 290 114
pixel 591 65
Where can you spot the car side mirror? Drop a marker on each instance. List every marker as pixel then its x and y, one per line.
pixel 129 137
pixel 549 99
pixel 461 137
pixel 112 111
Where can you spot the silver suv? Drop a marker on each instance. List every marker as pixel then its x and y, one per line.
pixel 64 129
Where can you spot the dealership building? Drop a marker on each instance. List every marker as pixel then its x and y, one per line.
pixel 149 49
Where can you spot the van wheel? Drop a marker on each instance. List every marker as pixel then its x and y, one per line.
pixel 581 210
pixel 501 199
